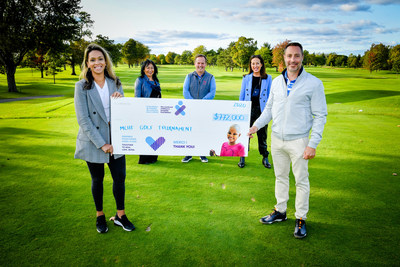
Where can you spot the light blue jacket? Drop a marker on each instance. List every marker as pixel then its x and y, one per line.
pixel 94 131
pixel 245 92
pixel 143 87
pixel 295 115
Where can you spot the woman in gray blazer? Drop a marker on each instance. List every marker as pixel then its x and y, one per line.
pixel 93 144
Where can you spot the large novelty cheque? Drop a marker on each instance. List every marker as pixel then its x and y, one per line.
pixel 160 126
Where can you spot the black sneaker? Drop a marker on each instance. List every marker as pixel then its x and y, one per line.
pixel 204 159
pixel 300 229
pixel 124 223
pixel 101 224
pixel 275 216
pixel 187 159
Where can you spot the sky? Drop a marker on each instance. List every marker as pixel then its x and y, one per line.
pixel 324 26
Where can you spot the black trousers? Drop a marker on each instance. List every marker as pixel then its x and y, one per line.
pixel 118 172
pixel 261 133
pixel 147 159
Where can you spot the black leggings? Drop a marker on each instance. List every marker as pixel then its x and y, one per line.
pixel 261 133
pixel 118 172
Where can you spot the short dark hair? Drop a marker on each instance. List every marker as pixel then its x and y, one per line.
pixel 294 44
pixel 200 55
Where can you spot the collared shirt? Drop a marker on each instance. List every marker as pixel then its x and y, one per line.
pixel 105 98
pixel 289 83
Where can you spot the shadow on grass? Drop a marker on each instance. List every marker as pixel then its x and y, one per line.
pixel 359 95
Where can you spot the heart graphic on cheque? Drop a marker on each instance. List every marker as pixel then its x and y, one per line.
pixel 155 144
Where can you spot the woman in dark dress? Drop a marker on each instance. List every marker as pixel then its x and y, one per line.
pixel 147 85
pixel 255 88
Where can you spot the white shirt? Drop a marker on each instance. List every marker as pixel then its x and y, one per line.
pixel 105 98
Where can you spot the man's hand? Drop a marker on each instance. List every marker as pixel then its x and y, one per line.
pixel 252 131
pixel 309 153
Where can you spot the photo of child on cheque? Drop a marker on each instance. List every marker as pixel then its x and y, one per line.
pixel 231 148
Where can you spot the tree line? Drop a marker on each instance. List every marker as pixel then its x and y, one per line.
pixel 48 35
pixel 237 55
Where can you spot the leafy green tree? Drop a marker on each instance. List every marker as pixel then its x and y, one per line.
pixel 54 61
pixel 36 59
pixel 382 54
pixel 330 60
pixel 161 59
pixel 134 52
pixel 352 61
pixel 153 58
pixel 243 49
pixel 370 60
pixel 266 53
pixel 25 24
pixel 277 56
pixel 75 52
pixel 320 59
pixel 377 57
pixel 113 49
pixel 394 58
pixel 341 61
pixel 306 57
pixel 186 57
pixel 169 58
pixel 177 60
pixel 76 48
pixel 211 57
pixel 129 52
pixel 201 49
pixel 225 59
pixel 143 52
pixel 312 59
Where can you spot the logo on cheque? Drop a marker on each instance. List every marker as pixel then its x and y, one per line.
pixel 180 109
pixel 155 144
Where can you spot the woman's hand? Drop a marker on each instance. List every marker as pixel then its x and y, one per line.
pixel 116 95
pixel 107 148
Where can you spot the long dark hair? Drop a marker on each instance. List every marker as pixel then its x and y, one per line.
pixel 263 73
pixel 86 73
pixel 144 65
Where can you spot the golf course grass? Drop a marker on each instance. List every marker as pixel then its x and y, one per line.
pixel 201 214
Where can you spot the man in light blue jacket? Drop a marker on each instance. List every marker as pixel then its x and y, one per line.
pixel 296 106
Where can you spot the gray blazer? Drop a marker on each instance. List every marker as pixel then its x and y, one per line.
pixel 94 131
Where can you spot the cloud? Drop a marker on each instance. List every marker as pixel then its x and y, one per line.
pixel 384 2
pixel 305 4
pixel 323 5
pixel 354 7
pixel 166 35
pixel 303 31
pixel 381 30
pixel 360 25
pixel 251 17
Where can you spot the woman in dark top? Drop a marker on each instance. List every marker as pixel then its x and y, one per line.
pixel 147 85
pixel 256 86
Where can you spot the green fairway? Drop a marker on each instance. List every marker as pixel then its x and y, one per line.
pixel 201 214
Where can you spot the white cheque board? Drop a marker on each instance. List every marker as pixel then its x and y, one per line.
pixel 180 127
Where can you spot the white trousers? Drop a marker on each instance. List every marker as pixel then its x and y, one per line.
pixel 284 153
